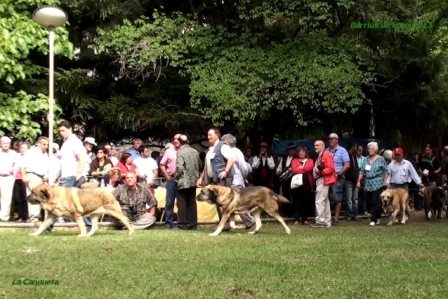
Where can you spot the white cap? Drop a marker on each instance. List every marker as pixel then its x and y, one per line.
pixel 90 140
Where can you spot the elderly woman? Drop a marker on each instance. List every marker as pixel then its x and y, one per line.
pixel 303 197
pixel 374 171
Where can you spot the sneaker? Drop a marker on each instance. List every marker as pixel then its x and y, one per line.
pixel 61 220
pixel 317 225
pixel 335 222
pixel 367 214
pixel 372 223
pixel 378 221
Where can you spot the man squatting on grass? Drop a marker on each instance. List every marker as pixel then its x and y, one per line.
pixel 137 203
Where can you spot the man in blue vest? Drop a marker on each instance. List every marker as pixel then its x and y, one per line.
pixel 218 165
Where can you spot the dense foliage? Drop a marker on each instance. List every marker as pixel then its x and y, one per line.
pixel 295 69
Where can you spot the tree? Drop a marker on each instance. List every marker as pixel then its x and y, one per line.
pixel 22 112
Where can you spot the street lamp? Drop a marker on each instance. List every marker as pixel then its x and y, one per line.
pixel 50 17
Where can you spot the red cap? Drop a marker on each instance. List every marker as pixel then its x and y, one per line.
pixel 398 151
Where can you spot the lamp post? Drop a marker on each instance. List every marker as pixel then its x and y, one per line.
pixel 50 17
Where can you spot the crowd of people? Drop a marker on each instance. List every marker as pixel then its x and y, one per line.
pixel 342 175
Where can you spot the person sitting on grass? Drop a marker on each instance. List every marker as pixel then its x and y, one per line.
pixel 137 203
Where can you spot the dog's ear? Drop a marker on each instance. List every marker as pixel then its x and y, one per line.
pixel 45 193
pixel 214 189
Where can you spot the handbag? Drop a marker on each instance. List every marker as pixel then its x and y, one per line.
pixel 296 181
pixel 286 174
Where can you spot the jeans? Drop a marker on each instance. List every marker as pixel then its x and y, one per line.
pixel 171 189
pixel 337 190
pixel 351 192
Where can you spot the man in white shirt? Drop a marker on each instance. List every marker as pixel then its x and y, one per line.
pixel 35 170
pixel 72 155
pixel 147 166
pixel 8 160
pixel 263 168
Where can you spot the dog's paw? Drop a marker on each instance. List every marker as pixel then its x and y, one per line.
pixel 82 235
pixel 288 231
pixel 131 232
pixel 390 223
pixel 34 234
pixel 213 234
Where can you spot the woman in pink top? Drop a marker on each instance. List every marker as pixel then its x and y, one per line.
pixel 126 166
pixel 303 197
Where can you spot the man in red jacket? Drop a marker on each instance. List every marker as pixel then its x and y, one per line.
pixel 325 175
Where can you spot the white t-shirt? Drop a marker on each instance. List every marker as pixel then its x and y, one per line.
pixel 146 166
pixel 71 148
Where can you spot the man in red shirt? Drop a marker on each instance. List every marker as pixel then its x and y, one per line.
pixel 325 175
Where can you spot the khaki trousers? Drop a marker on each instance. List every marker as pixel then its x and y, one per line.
pixel 323 210
pixel 6 187
pixel 34 181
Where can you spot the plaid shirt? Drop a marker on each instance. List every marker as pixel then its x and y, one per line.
pixel 134 206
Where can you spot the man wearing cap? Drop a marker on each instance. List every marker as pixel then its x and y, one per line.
pixel 89 143
pixel 284 165
pixel 263 168
pixel 341 165
pixel 401 172
pixel 168 169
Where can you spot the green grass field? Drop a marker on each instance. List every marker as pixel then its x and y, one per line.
pixel 351 260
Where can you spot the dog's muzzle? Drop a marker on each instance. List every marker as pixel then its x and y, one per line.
pixel 32 199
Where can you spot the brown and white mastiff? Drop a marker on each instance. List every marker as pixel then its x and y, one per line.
pixel 234 201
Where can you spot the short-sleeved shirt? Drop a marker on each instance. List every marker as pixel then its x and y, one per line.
pixel 374 178
pixel 169 160
pixel 340 157
pixel 134 203
pixel 146 166
pixel 71 148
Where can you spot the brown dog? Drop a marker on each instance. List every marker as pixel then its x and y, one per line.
pixel 62 201
pixel 434 201
pixel 238 201
pixel 395 201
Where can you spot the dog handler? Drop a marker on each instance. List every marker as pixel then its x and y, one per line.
pixel 401 172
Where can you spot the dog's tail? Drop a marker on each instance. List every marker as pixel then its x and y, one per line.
pixel 281 199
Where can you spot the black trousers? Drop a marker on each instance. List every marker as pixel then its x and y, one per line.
pixel 187 215
pixel 287 210
pixel 375 203
pixel 303 201
pixel 19 203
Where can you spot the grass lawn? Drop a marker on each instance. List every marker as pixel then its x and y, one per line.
pixel 351 260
